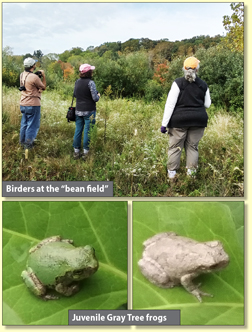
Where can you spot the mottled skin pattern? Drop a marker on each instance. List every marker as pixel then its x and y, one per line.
pixel 169 260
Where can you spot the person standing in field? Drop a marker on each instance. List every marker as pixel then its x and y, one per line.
pixel 86 99
pixel 31 87
pixel 186 117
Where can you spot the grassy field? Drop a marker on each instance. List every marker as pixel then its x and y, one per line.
pixel 127 148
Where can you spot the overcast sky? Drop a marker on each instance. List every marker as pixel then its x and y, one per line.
pixel 56 27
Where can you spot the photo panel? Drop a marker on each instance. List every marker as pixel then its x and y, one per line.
pixel 160 109
pixel 96 229
pixel 177 242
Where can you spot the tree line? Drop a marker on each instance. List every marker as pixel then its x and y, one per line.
pixel 145 68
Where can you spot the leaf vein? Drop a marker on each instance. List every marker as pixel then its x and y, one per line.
pixel 95 233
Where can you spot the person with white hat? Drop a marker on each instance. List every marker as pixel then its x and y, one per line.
pixel 86 98
pixel 30 86
pixel 185 117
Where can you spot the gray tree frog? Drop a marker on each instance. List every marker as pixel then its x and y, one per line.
pixel 169 260
pixel 55 263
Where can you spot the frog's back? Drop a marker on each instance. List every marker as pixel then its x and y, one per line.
pixel 173 246
pixel 176 253
pixel 50 260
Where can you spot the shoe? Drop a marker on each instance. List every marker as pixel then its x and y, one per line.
pixel 171 174
pixel 27 146
pixel 191 172
pixel 76 155
pixel 84 155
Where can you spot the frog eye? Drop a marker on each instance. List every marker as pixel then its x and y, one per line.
pixel 78 272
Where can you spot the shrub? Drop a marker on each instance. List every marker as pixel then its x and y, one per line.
pixel 126 75
pixel 10 69
pixel 222 69
pixel 153 91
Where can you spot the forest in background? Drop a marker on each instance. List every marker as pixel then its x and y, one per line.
pixel 141 68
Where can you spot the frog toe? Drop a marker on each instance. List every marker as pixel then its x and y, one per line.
pixel 67 290
pixel 206 294
pixel 198 293
pixel 50 297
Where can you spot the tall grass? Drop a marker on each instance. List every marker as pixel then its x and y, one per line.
pixel 126 147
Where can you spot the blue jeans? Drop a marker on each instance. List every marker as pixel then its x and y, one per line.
pixel 30 124
pixel 83 122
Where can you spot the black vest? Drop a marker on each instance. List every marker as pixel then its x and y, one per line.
pixel 84 100
pixel 189 110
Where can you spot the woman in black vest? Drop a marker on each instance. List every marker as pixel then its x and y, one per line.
pixel 86 99
pixel 186 118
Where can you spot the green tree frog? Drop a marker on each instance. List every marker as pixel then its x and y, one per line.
pixel 55 263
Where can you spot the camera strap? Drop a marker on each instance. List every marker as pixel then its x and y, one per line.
pixel 72 101
pixel 73 95
pixel 24 79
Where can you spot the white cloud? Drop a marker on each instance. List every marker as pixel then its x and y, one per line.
pixel 56 27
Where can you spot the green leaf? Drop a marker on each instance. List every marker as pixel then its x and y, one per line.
pixel 202 221
pixel 102 225
pixel 237 213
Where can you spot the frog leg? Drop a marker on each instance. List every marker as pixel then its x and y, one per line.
pixel 34 284
pixel 154 273
pixel 186 282
pixel 67 290
pixel 56 238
